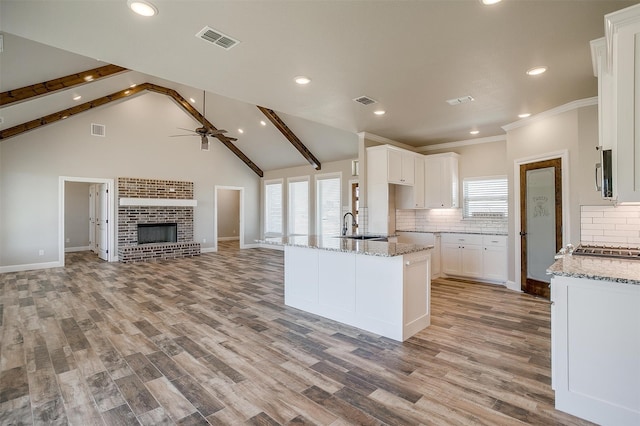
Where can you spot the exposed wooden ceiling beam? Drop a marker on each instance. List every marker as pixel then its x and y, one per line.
pixel 291 137
pixel 51 86
pixel 61 115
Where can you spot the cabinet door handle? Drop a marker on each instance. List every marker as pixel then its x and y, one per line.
pixel 598 185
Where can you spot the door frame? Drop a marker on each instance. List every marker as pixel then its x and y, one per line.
pixel 215 214
pixel 566 224
pixel 62 180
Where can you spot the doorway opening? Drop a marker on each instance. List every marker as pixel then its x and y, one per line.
pixel 86 212
pixel 228 218
pixel 541 194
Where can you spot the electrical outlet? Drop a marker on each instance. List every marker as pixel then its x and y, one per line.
pixel 41 252
pixel 204 240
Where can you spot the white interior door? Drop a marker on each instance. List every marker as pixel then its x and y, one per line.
pixel 92 218
pixel 102 221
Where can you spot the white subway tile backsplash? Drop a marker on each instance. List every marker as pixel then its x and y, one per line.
pixel 441 220
pixel 608 225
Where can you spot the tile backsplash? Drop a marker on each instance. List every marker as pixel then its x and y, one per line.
pixel 446 220
pixel 610 226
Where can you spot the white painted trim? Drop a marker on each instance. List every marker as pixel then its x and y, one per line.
pixel 75 249
pixel 248 246
pixel 566 216
pixel 511 285
pixel 467 142
pixel 551 112
pixel 62 180
pixel 215 214
pixel 157 202
pixel 208 250
pixel 385 141
pixel 236 238
pixel 270 246
pixel 29 267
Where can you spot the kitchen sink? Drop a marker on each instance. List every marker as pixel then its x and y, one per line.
pixel 364 237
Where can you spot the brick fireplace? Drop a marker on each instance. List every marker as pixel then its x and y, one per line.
pixel 152 201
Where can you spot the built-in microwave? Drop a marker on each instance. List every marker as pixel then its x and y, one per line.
pixel 604 181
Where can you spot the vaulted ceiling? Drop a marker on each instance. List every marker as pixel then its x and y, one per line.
pixel 410 56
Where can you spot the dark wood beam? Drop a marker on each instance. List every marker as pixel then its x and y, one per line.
pixel 291 137
pixel 51 86
pixel 182 102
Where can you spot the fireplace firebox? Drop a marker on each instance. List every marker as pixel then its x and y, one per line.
pixel 149 233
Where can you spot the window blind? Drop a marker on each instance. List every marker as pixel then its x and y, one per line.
pixel 273 208
pixel 298 207
pixel 485 197
pixel 328 217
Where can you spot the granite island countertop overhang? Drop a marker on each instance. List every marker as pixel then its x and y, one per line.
pixel 346 245
pixel 626 271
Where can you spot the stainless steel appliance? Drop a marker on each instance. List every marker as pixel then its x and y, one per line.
pixel 602 251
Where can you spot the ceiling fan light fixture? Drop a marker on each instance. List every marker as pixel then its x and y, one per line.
pixel 142 8
pixel 536 70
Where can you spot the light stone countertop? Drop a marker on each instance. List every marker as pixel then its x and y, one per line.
pixel 346 245
pixel 597 268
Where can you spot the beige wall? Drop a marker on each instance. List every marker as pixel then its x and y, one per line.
pixel 228 213
pixel 137 144
pixel 76 218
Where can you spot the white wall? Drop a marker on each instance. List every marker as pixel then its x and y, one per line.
pixel 76 218
pixel 342 166
pixel 137 144
pixel 228 213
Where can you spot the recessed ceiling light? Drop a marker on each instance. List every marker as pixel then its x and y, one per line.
pixel 77 98
pixel 143 8
pixel 380 112
pixel 536 70
pixel 302 80
pixel 240 131
pixel 88 78
pixel 133 85
pixel 263 122
pixel 193 101
pixel 525 115
pixel 126 92
pixel 474 132
pixel 489 2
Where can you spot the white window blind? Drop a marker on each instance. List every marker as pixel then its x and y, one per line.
pixel 485 197
pixel 273 208
pixel 328 206
pixel 298 207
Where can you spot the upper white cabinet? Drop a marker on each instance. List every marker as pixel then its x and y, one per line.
pixel 617 63
pixel 389 164
pixel 412 197
pixel 441 180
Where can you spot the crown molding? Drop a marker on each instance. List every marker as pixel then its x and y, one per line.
pixel 467 142
pixel 550 113
pixel 384 141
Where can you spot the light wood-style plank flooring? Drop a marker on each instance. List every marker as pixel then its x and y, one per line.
pixel 208 340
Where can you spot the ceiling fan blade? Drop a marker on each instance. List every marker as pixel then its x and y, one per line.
pixel 217 132
pixel 186 130
pixel 231 139
pixel 177 136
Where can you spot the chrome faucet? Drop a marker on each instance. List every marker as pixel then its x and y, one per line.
pixel 344 222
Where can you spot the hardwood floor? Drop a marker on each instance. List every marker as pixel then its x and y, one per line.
pixel 209 340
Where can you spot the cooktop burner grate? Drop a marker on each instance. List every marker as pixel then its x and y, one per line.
pixel 602 251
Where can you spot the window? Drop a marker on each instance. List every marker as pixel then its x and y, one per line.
pixel 328 204
pixel 273 207
pixel 485 197
pixel 298 218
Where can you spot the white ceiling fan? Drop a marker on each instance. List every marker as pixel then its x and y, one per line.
pixel 204 131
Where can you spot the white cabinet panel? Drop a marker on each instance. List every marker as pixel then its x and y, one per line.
pixel 471 256
pixel 301 278
pixel 412 197
pixel 494 258
pixel 475 256
pixel 441 181
pixel 337 278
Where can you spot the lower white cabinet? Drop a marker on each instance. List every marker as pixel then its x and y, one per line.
pixel 425 239
pixel 595 349
pixel 475 256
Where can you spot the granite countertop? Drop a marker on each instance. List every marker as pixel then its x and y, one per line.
pixel 455 232
pixel 597 268
pixel 346 245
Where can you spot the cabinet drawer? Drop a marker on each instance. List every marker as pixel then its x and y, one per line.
pixel 462 239
pixel 494 240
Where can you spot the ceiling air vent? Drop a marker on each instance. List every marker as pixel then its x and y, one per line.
pixel 98 130
pixel 365 100
pixel 217 37
pixel 460 100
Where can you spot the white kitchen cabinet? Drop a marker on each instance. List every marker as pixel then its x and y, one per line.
pixel 616 61
pixel 425 239
pixel 412 197
pixel 595 349
pixel 441 180
pixel 482 257
pixel 494 258
pixel 391 164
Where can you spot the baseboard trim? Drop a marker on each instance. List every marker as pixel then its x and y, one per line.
pixel 208 250
pixel 74 249
pixel 270 246
pixel 511 285
pixel 29 267
pixel 228 238
pixel 249 246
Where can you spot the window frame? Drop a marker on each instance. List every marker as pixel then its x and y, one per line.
pixel 318 216
pixel 488 215
pixel 266 208
pixel 290 218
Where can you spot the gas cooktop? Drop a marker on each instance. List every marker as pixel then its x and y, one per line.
pixel 602 251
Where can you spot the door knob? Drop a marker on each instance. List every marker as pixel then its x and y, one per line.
pixel 522 233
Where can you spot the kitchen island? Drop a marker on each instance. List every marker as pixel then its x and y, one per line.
pixel 595 338
pixel 377 286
